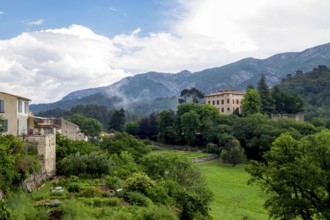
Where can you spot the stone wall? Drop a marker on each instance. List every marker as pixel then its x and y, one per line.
pixel 298 116
pixel 46 145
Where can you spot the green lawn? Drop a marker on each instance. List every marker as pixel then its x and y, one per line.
pixel 233 198
pixel 189 154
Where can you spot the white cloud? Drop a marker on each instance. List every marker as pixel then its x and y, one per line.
pixel 258 26
pixel 38 22
pixel 2 13
pixel 48 64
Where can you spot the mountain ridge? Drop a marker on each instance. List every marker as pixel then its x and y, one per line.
pixel 236 75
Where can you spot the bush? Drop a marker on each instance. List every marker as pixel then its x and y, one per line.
pixel 74 187
pixel 74 209
pixel 139 182
pixel 212 148
pixel 136 198
pixel 90 192
pixel 158 213
pixel 114 182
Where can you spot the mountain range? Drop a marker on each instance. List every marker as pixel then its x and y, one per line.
pixel 154 87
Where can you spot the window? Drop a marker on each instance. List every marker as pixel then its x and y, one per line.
pixel 26 107
pixel 222 110
pixel 228 109
pixel 217 102
pixel 4 126
pixel 222 102
pixel 20 107
pixel 227 101
pixel 209 102
pixel 233 101
pixel 237 101
pixel 2 106
pixel 213 102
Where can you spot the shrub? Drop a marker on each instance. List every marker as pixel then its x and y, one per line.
pixel 90 192
pixel 139 182
pixel 74 209
pixel 136 198
pixel 114 182
pixel 158 213
pixel 74 187
pixel 212 148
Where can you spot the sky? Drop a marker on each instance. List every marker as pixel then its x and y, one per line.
pixel 51 48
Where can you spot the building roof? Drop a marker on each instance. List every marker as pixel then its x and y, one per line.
pixel 226 91
pixel 19 97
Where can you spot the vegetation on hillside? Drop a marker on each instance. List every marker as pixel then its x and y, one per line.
pixel 314 88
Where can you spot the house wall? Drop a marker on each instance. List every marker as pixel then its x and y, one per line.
pixel 10 112
pixel 225 101
pixel 69 129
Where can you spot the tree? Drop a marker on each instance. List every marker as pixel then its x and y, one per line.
pixel 251 102
pixel 117 120
pixel 194 95
pixel 166 127
pixel 190 125
pixel 267 102
pixel 286 102
pixel 89 126
pixel 233 152
pixel 182 179
pixel 296 176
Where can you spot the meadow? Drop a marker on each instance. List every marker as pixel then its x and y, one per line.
pixel 233 198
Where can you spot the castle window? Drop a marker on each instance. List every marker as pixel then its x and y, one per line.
pixel 227 101
pixel 237 101
pixel 213 102
pixel 222 102
pixel 222 110
pixel 217 102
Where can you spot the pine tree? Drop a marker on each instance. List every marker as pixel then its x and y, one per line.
pixel 267 102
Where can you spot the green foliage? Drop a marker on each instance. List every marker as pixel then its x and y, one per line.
pixel 21 208
pixel 233 153
pixel 131 128
pixel 74 209
pixel 212 148
pixel 114 182
pixel 137 198
pixel 15 165
pixel 124 165
pixel 251 102
pixel 184 182
pixel 66 147
pixel 166 128
pixel 90 192
pixel 4 212
pixel 296 176
pixel 89 126
pixel 157 213
pixel 286 102
pixel 90 165
pixel 313 88
pixel 267 101
pixel 147 127
pixel 191 95
pixel 139 182
pixel 117 120
pixel 124 142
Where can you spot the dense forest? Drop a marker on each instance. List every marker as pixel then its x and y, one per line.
pixel 314 88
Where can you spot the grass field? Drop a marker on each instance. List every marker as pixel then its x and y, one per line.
pixel 189 154
pixel 233 198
